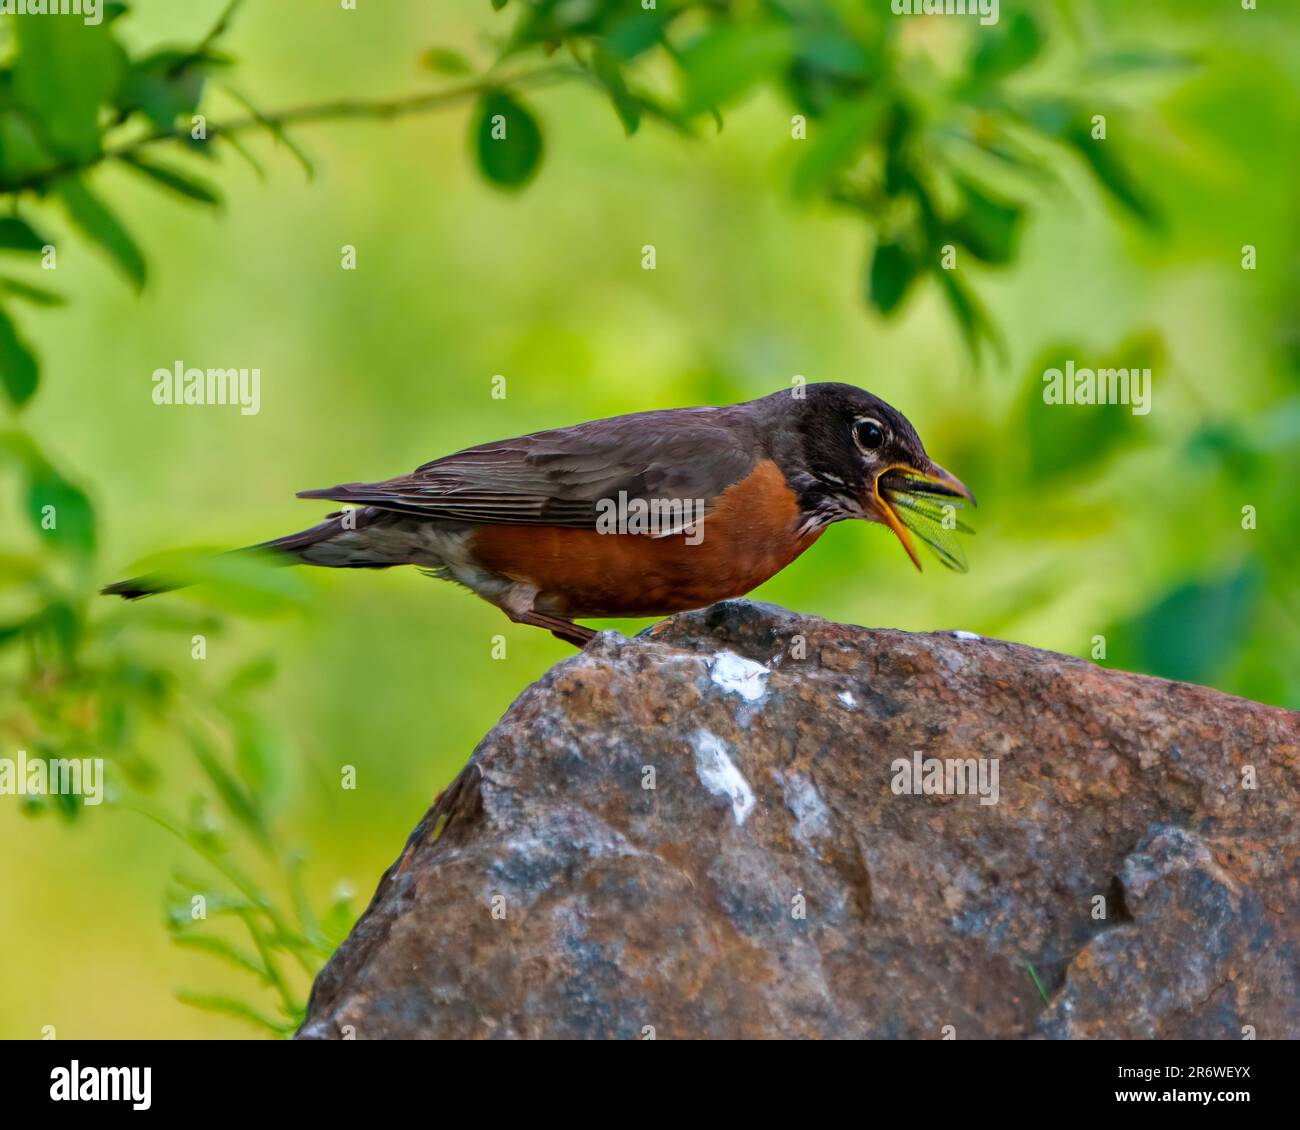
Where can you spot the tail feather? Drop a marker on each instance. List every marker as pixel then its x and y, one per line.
pixel 289 548
pixel 136 587
pixel 344 492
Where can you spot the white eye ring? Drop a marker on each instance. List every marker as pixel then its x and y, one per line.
pixel 868 433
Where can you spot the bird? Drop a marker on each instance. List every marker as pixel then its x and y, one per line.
pixel 638 515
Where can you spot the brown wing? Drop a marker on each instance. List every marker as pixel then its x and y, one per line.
pixel 555 478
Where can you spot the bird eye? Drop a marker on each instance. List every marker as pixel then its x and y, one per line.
pixel 868 434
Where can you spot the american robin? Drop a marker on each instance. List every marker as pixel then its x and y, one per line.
pixel 640 515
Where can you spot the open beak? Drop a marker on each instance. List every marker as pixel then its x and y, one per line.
pixel 948 483
pixel 892 521
pixel 930 483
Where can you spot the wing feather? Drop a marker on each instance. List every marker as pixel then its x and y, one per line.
pixel 557 477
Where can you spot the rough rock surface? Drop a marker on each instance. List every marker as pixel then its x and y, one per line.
pixel 773 883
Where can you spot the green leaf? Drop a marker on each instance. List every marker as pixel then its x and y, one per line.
pixel 1190 632
pixel 18 235
pixel 610 74
pixel 1143 59
pixel 65 70
pixel 98 224
pixel 165 85
pixel 975 324
pixel 252 583
pixel 19 370
pixel 181 183
pixel 444 61
pixel 259 752
pixel 72 515
pixel 834 143
pixel 1079 439
pixel 1072 126
pixel 1052 116
pixel 1006 48
pixel 238 802
pixel 220 948
pixel 12 631
pixel 22 152
pixel 728 61
pixel 1038 984
pixel 839 54
pixel 890 277
pixel 508 140
pixel 34 294
pixel 239 147
pixel 276 130
pixel 232 1006
pixel 665 114
pixel 832 70
pixel 989 228
pixel 635 34
pixel 64 624
pixel 1114 175
pixel 252 675
pixel 56 629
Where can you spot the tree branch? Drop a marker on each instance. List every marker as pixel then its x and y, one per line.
pixel 339 110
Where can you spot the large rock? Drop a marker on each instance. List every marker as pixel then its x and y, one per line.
pixel 773 882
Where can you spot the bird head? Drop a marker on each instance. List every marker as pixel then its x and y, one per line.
pixel 861 458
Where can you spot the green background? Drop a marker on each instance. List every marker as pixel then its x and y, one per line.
pixel 1092 522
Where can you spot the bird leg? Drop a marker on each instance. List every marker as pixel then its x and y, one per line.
pixel 560 628
pixel 517 603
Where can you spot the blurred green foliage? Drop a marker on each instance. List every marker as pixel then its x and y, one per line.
pixel 930 160
pixel 917 135
pixel 83 687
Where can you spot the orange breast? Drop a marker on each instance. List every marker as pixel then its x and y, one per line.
pixel 749 534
